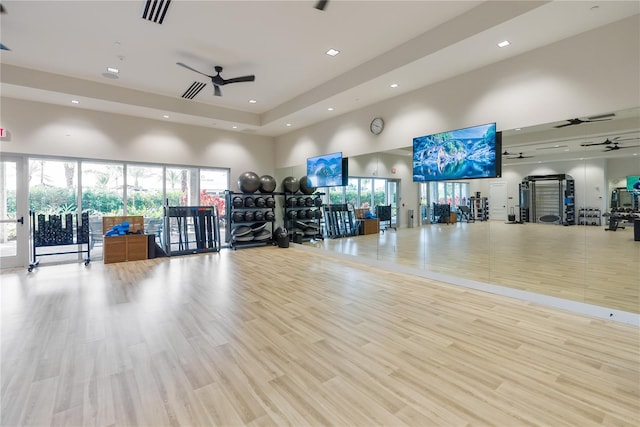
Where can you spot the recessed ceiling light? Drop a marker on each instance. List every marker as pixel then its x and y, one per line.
pixel 113 70
pixel 235 127
pixel 518 128
pixel 394 85
pixel 504 43
pixel 330 109
pixel 166 116
pixel 252 101
pixel 332 52
pixel 74 101
pixel 288 124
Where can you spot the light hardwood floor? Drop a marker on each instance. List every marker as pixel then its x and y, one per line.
pixel 578 263
pixel 271 336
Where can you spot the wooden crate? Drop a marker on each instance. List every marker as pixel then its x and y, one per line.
pixel 130 247
pixel 370 226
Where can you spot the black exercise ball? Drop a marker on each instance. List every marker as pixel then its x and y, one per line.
pixel 258 215
pixel 292 202
pixel 249 182
pixel 308 202
pixel 305 186
pixel 292 214
pixel 270 202
pixel 302 214
pixel 301 201
pixel 291 184
pixel 237 202
pixel 269 216
pixel 260 202
pixel 249 202
pixel 267 184
pixel 248 216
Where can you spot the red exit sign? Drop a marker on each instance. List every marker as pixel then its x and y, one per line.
pixel 3 132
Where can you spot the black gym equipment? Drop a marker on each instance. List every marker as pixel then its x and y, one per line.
pixel 249 202
pixel 267 184
pixel 305 186
pixel 197 229
pixel 290 184
pixel 546 202
pixel 270 202
pixel 51 230
pixel 237 202
pixel 248 182
pixel 260 202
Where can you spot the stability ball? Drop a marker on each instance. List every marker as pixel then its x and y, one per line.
pixel 291 184
pixel 305 186
pixel 249 182
pixel 267 184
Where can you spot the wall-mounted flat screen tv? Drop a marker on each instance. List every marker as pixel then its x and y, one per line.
pixel 633 183
pixel 468 153
pixel 325 170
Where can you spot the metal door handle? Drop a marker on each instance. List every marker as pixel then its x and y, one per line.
pixel 21 220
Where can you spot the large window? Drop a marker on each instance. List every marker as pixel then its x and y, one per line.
pixel 450 193
pixel 112 188
pixel 144 190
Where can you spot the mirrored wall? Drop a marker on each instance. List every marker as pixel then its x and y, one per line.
pixel 559 221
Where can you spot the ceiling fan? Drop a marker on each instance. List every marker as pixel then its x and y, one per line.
pixel 320 5
pixel 3 11
pixel 219 81
pixel 607 141
pixel 615 147
pixel 577 121
pixel 520 156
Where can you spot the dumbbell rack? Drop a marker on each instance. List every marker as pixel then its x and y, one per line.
pixel 303 216
pixel 243 213
pixel 52 231
pixel 589 216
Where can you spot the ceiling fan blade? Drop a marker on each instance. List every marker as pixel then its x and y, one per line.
pixel 595 143
pixel 239 80
pixel 564 125
pixel 3 10
pixel 3 47
pixel 216 90
pixel 321 4
pixel 193 69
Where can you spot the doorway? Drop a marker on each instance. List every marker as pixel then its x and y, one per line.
pixel 14 219
pixel 498 201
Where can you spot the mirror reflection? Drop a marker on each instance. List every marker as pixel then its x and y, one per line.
pixel 558 222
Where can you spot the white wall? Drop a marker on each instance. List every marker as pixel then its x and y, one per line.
pixel 52 130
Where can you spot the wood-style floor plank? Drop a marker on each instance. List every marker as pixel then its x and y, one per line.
pixel 270 336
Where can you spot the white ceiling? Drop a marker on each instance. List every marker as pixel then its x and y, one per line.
pixel 60 51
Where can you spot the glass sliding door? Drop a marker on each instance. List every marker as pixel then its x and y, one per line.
pixel 102 195
pixel 14 221
pixel 53 190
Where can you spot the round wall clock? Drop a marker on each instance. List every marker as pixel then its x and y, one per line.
pixel 376 126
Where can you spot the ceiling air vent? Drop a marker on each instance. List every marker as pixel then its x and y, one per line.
pixel 155 10
pixel 193 90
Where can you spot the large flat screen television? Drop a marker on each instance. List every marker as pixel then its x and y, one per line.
pixel 325 170
pixel 468 153
pixel 633 183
